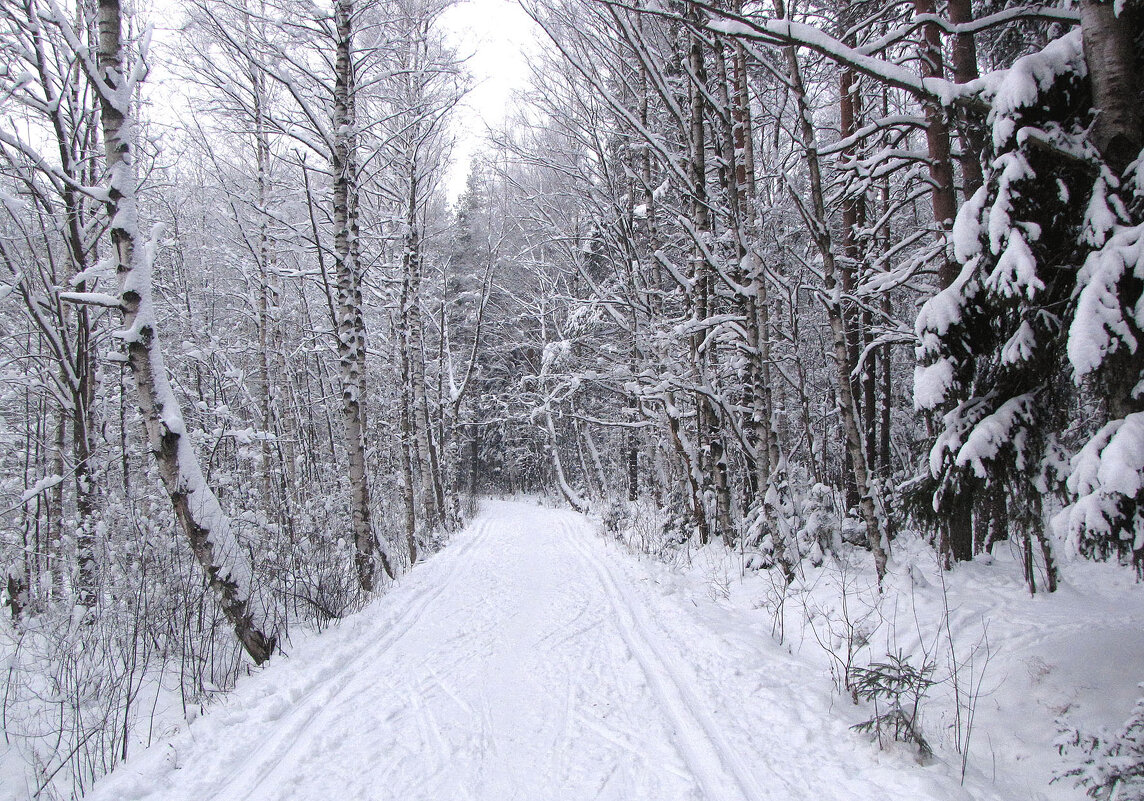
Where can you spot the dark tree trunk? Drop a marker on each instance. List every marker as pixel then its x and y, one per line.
pixel 964 62
pixel 1109 51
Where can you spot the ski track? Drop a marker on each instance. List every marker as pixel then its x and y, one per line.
pixel 281 744
pixel 530 660
pixel 714 763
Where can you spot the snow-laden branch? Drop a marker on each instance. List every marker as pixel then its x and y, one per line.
pixel 92 299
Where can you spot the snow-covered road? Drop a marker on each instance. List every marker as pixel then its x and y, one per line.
pixel 530 660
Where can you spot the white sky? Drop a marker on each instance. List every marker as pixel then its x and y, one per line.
pixel 493 33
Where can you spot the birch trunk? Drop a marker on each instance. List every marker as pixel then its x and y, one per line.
pixel 761 451
pixel 691 467
pixel 195 505
pixel 853 218
pixel 632 464
pixel 350 321
pixel 712 457
pixel 409 486
pixel 1110 54
pixel 574 500
pixel 265 291
pixel 432 491
pixel 759 309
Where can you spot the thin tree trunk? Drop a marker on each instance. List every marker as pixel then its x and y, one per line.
pixel 85 497
pixel 271 483
pixel 937 140
pixel 474 456
pixel 870 392
pixel 349 319
pixel 690 458
pixel 597 463
pixel 714 469
pixel 408 489
pixel 887 403
pixel 632 460
pixel 432 492
pixel 853 216
pixel 964 61
pixel 570 495
pixel 833 302
pixel 957 539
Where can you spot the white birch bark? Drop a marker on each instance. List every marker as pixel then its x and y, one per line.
pixel 816 220
pixel 1110 54
pixel 197 508
pixel 432 494
pixel 350 321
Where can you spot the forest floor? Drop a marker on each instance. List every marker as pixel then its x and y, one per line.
pixel 533 659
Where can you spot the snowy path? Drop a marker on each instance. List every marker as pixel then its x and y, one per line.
pixel 526 661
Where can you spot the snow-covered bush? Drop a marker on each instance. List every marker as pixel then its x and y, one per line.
pixel 821 526
pixel 1113 766
pixel 807 519
pixel 615 516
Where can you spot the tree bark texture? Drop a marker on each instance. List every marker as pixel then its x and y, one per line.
pixel 350 321
pixel 1109 51
pixel 964 61
pixel 937 141
pixel 196 507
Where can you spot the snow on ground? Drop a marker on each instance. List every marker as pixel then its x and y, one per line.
pixel 531 659
pixel 1029 669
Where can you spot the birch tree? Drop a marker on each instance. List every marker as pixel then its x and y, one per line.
pixel 202 518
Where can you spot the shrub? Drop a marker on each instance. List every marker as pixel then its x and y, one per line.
pixel 896 688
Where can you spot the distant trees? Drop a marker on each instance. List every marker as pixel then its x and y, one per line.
pixel 697 264
pixel 385 66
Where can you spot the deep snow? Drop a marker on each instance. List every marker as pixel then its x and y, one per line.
pixel 531 659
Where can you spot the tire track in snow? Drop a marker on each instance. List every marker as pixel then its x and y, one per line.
pixel 715 764
pixel 276 749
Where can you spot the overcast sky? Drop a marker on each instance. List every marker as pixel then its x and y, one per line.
pixel 493 33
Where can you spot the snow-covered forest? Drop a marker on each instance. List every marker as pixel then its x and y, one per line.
pixel 831 312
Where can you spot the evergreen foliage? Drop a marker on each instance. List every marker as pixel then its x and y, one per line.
pixel 1030 354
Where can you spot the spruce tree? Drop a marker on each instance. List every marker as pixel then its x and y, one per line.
pixel 1032 355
